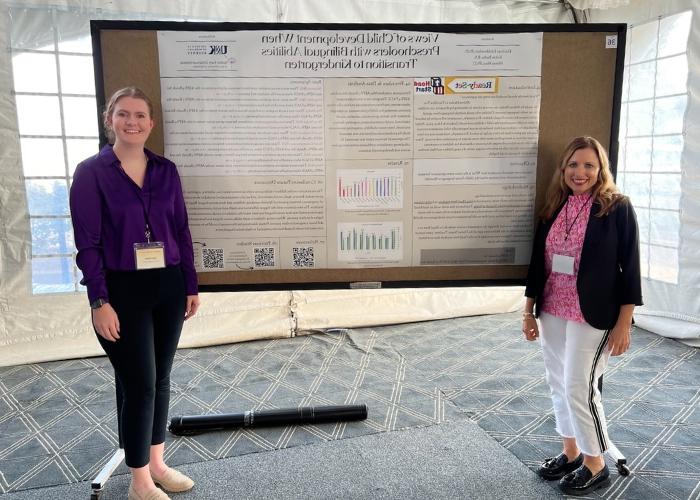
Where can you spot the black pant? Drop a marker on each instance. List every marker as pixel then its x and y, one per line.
pixel 150 305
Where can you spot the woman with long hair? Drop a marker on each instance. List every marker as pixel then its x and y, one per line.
pixel 583 284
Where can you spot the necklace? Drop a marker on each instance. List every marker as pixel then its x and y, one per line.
pixel 567 227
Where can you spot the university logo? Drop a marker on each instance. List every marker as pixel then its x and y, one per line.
pixel 218 49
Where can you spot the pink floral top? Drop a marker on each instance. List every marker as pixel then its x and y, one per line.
pixel 560 297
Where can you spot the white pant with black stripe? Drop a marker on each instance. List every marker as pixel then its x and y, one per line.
pixel 575 357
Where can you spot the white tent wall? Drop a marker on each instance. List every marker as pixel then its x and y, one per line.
pixel 56 326
pixel 673 310
pixel 314 11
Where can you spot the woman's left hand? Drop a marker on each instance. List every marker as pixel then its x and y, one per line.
pixel 192 306
pixel 619 339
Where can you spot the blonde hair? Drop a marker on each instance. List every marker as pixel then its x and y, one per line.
pixel 604 191
pixel 130 91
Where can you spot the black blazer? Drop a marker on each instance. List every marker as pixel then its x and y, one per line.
pixel 608 273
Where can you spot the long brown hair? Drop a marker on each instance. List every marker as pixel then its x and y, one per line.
pixel 130 91
pixel 605 192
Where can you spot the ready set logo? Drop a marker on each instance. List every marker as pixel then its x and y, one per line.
pixel 472 85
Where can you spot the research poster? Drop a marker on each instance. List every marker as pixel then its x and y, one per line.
pixel 353 149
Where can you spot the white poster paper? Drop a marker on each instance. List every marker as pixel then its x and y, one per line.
pixel 342 149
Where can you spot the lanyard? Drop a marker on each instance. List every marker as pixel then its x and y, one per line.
pixel 567 227
pixel 138 192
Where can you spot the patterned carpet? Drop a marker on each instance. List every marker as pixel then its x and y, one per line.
pixel 57 420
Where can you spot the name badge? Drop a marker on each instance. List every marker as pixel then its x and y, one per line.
pixel 149 255
pixel 562 264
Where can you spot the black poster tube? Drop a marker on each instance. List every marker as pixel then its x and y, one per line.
pixel 188 425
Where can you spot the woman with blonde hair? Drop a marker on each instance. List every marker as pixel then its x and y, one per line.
pixel 135 253
pixel 583 284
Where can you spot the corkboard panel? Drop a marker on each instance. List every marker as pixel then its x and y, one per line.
pixel 130 57
pixel 578 98
pixel 578 83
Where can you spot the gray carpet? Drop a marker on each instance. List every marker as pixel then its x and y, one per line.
pixel 452 460
pixel 57 419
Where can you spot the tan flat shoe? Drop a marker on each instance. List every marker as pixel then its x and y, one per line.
pixel 151 495
pixel 174 481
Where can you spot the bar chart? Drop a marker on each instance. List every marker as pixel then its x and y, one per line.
pixel 373 241
pixel 362 189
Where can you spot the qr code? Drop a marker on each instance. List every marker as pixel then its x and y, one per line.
pixel 303 256
pixel 264 256
pixel 213 258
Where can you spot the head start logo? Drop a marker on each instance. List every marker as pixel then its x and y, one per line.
pixel 479 85
pixel 432 85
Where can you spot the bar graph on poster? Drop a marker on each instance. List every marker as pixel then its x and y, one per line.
pixel 370 242
pixel 367 189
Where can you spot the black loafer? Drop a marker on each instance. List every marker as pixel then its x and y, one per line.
pixel 582 481
pixel 559 466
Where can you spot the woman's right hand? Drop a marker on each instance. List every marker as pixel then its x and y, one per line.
pixel 530 328
pixel 106 322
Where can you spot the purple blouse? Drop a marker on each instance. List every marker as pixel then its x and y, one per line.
pixel 108 212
